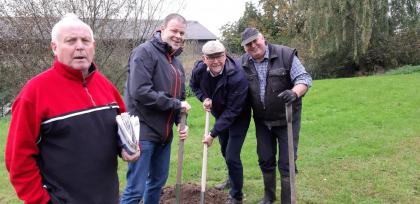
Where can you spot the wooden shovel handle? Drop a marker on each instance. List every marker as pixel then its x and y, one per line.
pixel 204 166
pixel 291 150
pixel 182 124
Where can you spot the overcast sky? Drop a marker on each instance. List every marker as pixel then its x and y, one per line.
pixel 213 14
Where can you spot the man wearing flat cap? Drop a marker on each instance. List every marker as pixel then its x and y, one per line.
pixel 276 77
pixel 219 82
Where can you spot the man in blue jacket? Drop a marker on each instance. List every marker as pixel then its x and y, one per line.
pixel 155 91
pixel 219 82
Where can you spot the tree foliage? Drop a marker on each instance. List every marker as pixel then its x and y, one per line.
pixel 338 37
pixel 231 32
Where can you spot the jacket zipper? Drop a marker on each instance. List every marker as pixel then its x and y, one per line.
pixel 174 94
pixel 88 93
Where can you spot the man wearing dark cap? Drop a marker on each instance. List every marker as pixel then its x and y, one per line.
pixel 219 82
pixel 276 77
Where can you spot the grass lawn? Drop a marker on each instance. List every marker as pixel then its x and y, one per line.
pixel 359 143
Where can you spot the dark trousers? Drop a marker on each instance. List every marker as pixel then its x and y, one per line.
pixel 231 142
pixel 271 138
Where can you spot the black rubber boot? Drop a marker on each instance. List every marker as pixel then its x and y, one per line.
pixel 269 188
pixel 285 190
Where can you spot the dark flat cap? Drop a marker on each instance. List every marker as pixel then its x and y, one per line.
pixel 249 35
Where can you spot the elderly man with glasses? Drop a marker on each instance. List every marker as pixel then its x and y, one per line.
pixel 219 82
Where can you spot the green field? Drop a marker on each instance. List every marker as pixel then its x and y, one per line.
pixel 360 143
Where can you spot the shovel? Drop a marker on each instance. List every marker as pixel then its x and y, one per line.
pixel 204 166
pixel 180 159
pixel 291 152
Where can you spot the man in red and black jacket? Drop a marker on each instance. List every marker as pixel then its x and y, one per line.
pixel 63 144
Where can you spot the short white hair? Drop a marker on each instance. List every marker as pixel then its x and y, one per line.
pixel 68 19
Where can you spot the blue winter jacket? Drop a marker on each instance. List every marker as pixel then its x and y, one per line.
pixel 229 97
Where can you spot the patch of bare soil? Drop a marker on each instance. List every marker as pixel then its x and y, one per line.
pixel 190 194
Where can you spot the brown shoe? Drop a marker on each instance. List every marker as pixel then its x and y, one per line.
pixel 223 186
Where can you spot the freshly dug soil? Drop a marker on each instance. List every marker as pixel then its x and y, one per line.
pixel 190 194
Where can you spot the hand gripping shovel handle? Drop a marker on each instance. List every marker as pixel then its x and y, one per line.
pixel 204 166
pixel 180 159
pixel 291 153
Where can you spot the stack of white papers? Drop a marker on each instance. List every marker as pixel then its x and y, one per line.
pixel 129 131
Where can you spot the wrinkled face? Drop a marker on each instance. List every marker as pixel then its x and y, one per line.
pixel 74 47
pixel 174 33
pixel 256 48
pixel 215 62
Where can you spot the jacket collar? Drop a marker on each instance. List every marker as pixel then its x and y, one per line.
pixel 73 74
pixel 163 47
pixel 271 52
pixel 230 65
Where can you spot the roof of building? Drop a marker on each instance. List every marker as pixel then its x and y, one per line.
pixel 196 31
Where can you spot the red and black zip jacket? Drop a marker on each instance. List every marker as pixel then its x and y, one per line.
pixel 62 143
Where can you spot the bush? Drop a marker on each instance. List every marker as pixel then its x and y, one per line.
pixel 408 69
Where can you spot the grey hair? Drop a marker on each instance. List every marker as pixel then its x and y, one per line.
pixel 68 19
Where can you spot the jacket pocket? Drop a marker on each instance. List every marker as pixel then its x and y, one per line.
pixel 253 83
pixel 277 78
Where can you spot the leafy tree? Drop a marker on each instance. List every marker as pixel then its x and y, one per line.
pixel 231 32
pixel 340 37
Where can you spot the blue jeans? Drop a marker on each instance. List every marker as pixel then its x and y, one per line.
pixel 147 175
